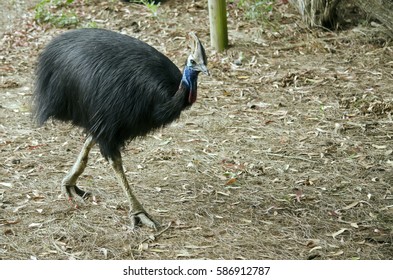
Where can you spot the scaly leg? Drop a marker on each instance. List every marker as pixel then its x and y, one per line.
pixel 69 182
pixel 138 213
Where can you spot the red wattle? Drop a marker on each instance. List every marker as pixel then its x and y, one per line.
pixel 192 97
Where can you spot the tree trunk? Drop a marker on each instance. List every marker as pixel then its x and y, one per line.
pixel 218 24
pixel 320 13
pixel 381 10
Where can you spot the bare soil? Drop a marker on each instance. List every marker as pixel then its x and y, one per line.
pixel 287 153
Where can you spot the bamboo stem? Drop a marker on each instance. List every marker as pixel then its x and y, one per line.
pixel 218 24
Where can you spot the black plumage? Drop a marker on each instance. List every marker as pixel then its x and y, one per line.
pixel 114 86
pixel 108 83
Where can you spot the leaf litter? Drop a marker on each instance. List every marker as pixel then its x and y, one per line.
pixel 286 154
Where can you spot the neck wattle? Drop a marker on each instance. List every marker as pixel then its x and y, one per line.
pixel 189 80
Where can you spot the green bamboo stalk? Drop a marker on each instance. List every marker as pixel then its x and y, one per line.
pixel 218 24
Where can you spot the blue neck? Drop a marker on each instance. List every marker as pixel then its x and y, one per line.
pixel 190 78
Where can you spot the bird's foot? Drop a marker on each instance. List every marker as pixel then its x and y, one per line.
pixel 143 218
pixel 71 191
pixel 84 195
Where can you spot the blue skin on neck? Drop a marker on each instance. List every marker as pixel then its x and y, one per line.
pixel 190 78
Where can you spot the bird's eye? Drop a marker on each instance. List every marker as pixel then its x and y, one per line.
pixel 192 62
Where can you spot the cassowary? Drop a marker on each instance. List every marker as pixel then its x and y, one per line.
pixel 117 88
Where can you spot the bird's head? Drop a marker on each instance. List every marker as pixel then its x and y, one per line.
pixel 196 63
pixel 197 60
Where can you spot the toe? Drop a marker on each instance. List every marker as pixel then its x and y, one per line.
pixel 142 218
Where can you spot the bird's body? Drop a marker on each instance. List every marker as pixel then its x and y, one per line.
pixel 114 86
pixel 131 81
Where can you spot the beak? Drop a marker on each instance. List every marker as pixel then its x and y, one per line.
pixel 204 70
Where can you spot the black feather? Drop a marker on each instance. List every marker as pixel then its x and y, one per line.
pixel 115 86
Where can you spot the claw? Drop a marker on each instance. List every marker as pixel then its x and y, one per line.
pixel 72 202
pixel 142 218
pixel 84 195
pixel 71 191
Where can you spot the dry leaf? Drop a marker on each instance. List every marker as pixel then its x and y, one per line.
pixel 143 247
pixel 334 235
pixel 224 194
pixel 16 209
pixel 226 93
pixel 158 250
pixel 9 232
pixel 338 253
pixel 353 204
pixel 315 248
pixel 313 243
pixel 104 251
pixel 199 247
pixel 355 225
pixel 184 253
pixel 9 222
pixel 37 195
pixel 379 147
pixel 388 153
pixel 35 225
pixel 230 181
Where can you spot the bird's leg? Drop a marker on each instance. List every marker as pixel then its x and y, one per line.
pixel 69 182
pixel 138 213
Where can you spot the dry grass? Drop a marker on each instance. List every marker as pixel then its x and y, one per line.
pixel 286 156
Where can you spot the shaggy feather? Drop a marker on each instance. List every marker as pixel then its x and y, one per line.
pixel 115 86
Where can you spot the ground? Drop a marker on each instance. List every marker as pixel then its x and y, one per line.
pixel 287 153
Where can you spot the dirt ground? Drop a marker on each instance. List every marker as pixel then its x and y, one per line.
pixel 287 153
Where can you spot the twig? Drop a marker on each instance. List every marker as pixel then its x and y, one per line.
pixel 291 157
pixel 154 237
pixel 63 251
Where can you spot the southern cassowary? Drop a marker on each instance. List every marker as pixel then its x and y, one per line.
pixel 117 88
